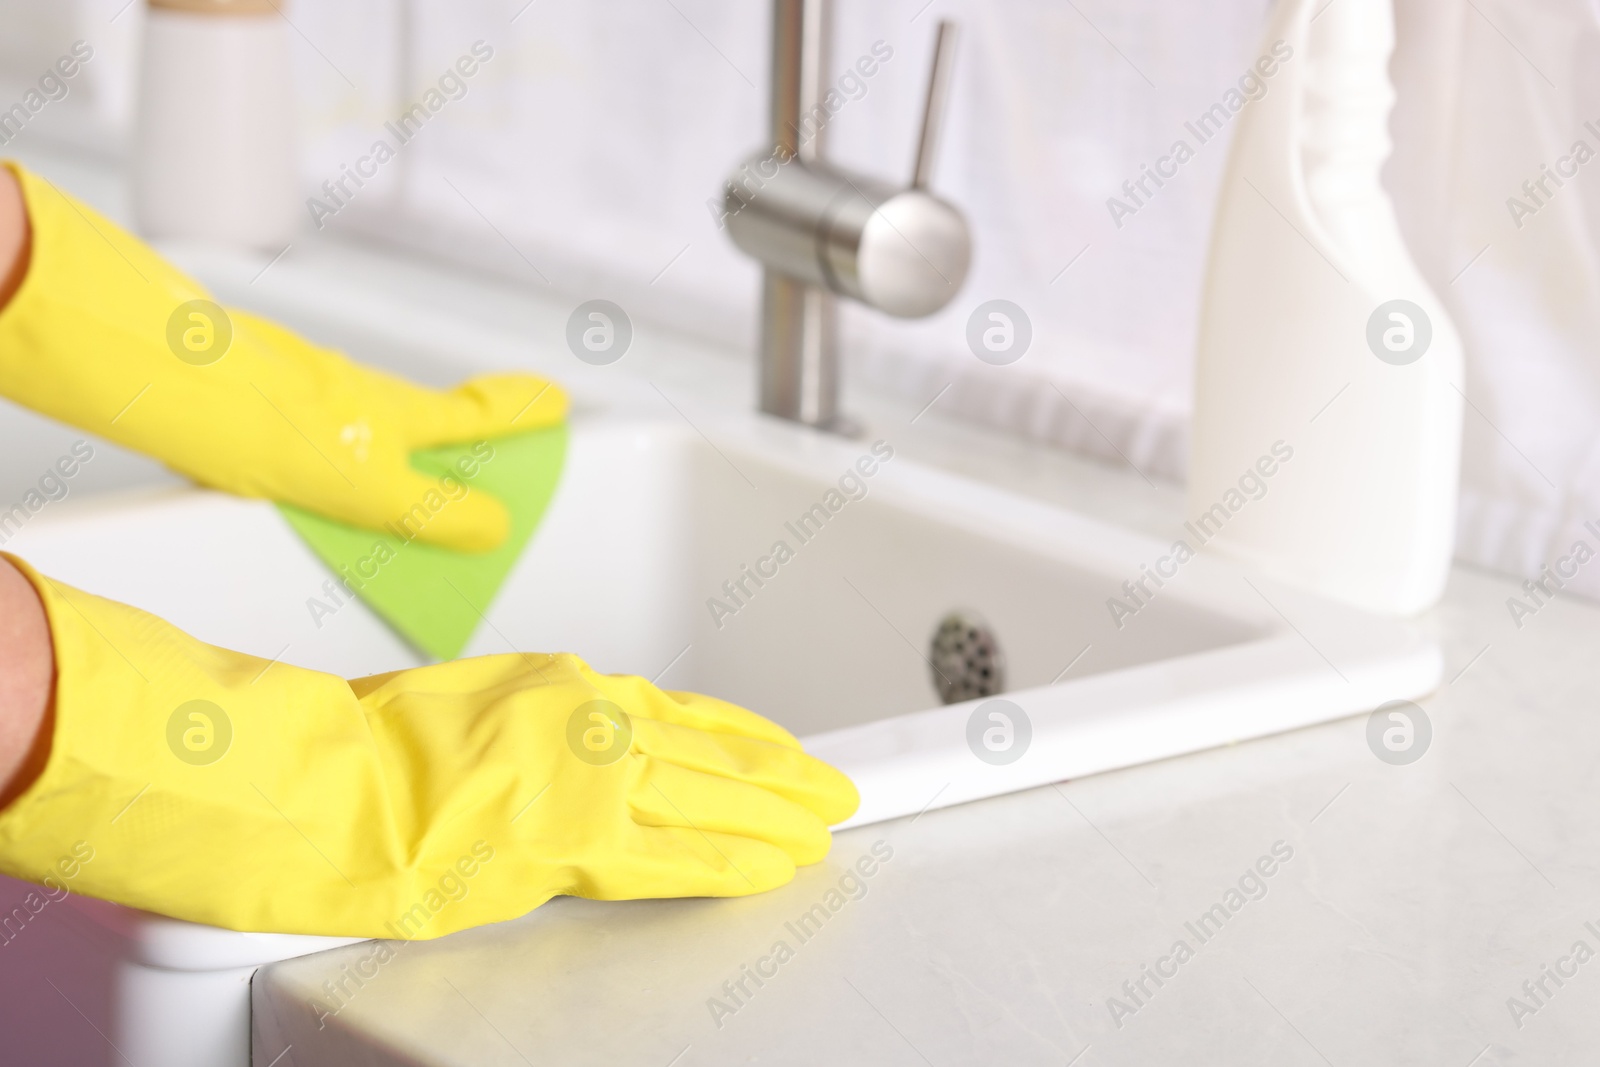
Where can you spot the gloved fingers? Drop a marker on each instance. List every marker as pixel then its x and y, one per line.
pixel 414 506
pixel 642 699
pixel 710 713
pixel 670 795
pixel 492 405
pixel 478 408
pixel 786 772
pixel 679 861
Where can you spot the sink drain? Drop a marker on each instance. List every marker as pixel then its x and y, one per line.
pixel 966 659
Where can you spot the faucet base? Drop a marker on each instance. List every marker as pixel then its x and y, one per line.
pixel 799 358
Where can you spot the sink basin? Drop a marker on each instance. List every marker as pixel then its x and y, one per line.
pixel 650 561
pixel 659 556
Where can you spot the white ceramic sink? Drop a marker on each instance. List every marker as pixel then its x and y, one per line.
pixel 655 522
pixel 650 520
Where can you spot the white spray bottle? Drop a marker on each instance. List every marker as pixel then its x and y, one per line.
pixel 1326 438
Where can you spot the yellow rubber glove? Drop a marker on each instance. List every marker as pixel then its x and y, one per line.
pixel 107 336
pixel 224 789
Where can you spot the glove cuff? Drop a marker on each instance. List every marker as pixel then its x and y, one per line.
pixel 184 769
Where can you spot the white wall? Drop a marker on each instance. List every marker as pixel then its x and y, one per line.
pixel 583 154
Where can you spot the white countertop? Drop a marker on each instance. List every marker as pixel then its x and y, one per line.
pixel 1417 900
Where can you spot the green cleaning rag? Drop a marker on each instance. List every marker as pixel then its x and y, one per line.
pixel 436 597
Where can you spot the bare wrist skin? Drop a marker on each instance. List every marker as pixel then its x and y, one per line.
pixel 16 238
pixel 27 681
pixel 27 661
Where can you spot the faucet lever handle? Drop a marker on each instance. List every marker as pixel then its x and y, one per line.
pixel 933 108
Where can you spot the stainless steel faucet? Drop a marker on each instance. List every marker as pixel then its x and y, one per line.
pixel 819 231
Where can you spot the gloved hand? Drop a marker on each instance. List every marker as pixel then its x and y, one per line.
pixel 224 789
pixel 107 336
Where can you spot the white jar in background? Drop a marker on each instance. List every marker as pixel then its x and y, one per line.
pixel 213 151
